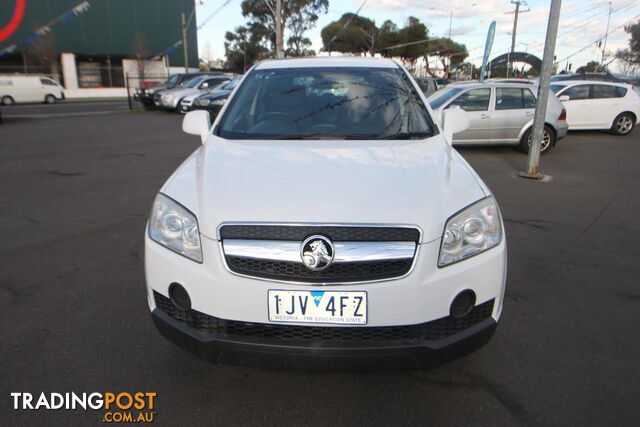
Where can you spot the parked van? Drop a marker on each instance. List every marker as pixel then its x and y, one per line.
pixel 20 89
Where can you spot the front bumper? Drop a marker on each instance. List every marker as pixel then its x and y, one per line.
pixel 146 98
pixel 421 297
pixel 169 106
pixel 271 353
pixel 185 107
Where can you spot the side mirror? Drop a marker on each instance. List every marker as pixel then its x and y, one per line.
pixel 563 98
pixel 454 120
pixel 197 123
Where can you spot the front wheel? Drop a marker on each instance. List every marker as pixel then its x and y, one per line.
pixel 548 140
pixel 623 124
pixel 49 99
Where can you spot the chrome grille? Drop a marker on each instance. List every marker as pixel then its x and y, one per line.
pixel 361 253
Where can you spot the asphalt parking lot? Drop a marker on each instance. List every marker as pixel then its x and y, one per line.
pixel 75 192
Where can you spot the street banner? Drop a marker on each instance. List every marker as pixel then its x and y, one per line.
pixel 487 49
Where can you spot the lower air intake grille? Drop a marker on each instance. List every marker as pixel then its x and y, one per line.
pixel 430 331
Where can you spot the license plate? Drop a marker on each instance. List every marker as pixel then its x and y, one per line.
pixel 342 307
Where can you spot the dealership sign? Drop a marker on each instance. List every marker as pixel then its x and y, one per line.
pixel 31 38
pixel 14 22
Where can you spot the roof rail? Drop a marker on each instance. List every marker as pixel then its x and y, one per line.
pixel 510 80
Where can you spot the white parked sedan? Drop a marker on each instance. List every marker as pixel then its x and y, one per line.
pixel 326 222
pixel 599 105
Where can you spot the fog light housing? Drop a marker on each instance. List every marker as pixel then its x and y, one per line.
pixel 462 304
pixel 179 297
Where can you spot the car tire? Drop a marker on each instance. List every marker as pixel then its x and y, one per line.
pixel 548 140
pixel 7 100
pixel 623 124
pixel 49 99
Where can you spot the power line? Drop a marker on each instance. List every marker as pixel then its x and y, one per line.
pixel 596 41
pixel 175 45
pixel 605 36
pixel 572 28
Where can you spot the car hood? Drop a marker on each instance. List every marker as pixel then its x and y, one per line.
pixel 217 94
pixel 181 92
pixel 161 86
pixel 321 181
pixel 192 96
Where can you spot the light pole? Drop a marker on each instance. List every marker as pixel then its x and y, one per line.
pixel 279 35
pixel 277 17
pixel 185 25
pixel 533 163
pixel 604 47
pixel 518 3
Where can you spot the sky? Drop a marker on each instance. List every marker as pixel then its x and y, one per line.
pixel 582 24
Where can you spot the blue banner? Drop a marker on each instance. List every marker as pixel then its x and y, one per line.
pixel 487 49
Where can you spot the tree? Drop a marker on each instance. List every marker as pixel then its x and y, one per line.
pixel 350 34
pixel 470 70
pixel 387 37
pixel 590 67
pixel 298 16
pixel 244 47
pixel 411 35
pixel 445 48
pixel 142 53
pixel 630 57
pixel 299 44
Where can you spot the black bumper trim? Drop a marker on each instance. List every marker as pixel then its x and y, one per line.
pixel 359 357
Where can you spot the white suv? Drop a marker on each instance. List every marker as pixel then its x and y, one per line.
pixel 326 222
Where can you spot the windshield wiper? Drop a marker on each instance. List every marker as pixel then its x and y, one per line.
pixel 329 136
pixel 407 135
pixel 322 136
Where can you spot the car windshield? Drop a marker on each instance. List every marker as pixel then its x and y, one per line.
pixel 326 103
pixel 231 85
pixel 555 87
pixel 173 78
pixel 440 97
pixel 219 86
pixel 193 82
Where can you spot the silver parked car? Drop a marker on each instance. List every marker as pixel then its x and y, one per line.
pixel 170 99
pixel 501 112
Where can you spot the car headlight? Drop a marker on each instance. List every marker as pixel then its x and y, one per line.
pixel 218 101
pixel 174 227
pixel 150 91
pixel 471 231
pixel 203 102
